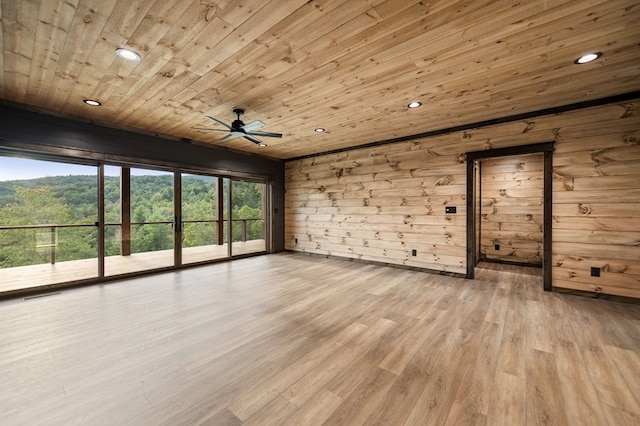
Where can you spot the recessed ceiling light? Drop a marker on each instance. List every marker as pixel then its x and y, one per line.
pixel 588 57
pixel 262 145
pixel 319 130
pixel 414 104
pixel 128 54
pixel 92 102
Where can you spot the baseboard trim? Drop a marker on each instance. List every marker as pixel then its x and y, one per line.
pixel 511 262
pixel 595 295
pixel 373 262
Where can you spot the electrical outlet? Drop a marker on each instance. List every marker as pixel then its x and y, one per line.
pixel 414 252
pixel 595 272
pixel 296 241
pixel 496 246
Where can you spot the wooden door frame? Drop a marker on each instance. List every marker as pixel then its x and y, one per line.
pixel 547 149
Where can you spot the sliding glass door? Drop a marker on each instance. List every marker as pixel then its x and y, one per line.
pixel 202 232
pixel 64 222
pixel 247 217
pixel 48 217
pixel 146 227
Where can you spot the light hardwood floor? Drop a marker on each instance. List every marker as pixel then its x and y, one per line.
pixel 291 339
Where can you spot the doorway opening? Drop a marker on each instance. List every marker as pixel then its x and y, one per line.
pixel 518 239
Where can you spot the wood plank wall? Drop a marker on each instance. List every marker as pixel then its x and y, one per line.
pixel 596 204
pixel 511 208
pixel 380 203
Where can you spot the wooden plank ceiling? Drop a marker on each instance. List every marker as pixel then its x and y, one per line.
pixel 349 66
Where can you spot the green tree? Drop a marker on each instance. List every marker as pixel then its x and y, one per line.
pixel 254 227
pixel 33 246
pixel 199 203
pixel 73 199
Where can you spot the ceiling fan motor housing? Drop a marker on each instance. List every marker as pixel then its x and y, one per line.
pixel 237 123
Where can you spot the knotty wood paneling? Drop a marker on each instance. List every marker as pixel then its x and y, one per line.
pixel 597 207
pixel 377 204
pixel 511 215
pixel 350 66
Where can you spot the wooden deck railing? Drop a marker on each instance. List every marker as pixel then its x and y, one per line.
pixel 52 241
pixel 53 228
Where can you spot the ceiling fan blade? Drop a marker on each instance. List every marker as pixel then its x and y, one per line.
pixel 206 128
pixel 222 123
pixel 232 134
pixel 253 125
pixel 253 139
pixel 268 134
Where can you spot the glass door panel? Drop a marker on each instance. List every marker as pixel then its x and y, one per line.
pixel 201 236
pixel 142 237
pixel 48 212
pixel 226 225
pixel 112 206
pixel 247 217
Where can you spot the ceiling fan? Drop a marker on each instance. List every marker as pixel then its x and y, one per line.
pixel 238 128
